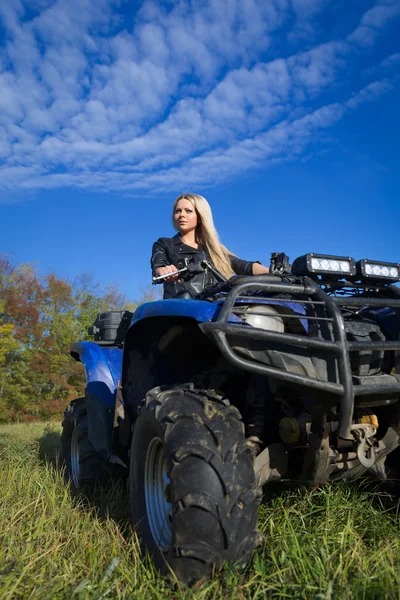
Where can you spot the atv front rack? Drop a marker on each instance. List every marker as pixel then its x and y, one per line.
pixel 305 293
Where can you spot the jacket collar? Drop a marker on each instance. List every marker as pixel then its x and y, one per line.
pixel 177 239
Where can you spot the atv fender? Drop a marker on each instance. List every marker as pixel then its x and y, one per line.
pixel 103 366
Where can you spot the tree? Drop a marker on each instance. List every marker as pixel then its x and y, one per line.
pixel 40 318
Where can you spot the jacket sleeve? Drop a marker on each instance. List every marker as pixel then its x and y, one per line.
pixel 159 256
pixel 242 267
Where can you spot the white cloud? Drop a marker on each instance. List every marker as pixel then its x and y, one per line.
pixel 306 11
pixel 369 93
pixel 391 61
pixel 374 21
pixel 318 67
pixel 187 95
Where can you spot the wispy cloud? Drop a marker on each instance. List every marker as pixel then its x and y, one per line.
pixel 369 93
pixel 391 61
pixel 305 12
pixel 374 22
pixel 186 95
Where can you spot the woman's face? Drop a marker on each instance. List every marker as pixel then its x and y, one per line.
pixel 185 217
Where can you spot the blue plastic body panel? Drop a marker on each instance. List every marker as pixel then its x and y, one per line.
pixel 203 311
pixel 200 310
pixel 103 366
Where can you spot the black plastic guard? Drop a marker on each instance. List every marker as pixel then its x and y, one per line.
pixel 100 423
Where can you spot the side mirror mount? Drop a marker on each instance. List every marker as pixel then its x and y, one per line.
pixel 279 264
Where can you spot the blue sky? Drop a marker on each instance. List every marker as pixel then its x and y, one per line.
pixel 284 114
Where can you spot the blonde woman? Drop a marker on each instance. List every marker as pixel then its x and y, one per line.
pixel 197 239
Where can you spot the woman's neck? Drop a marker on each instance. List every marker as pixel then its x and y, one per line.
pixel 189 239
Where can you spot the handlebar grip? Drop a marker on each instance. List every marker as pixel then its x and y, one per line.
pixel 159 278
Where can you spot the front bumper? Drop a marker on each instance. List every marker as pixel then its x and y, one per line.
pixel 325 309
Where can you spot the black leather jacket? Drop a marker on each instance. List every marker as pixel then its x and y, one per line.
pixel 172 251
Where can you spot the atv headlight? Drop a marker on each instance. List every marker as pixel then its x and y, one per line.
pixel 372 269
pixel 320 264
pixel 264 316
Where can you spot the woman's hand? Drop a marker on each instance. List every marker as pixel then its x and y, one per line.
pixel 165 270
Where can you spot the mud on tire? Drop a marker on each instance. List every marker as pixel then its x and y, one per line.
pixel 206 513
pixel 83 466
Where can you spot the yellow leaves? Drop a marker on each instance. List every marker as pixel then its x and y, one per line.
pixel 7 342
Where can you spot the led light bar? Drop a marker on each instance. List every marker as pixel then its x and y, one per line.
pixel 320 264
pixel 373 269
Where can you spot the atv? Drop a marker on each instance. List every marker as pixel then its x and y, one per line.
pixel 291 376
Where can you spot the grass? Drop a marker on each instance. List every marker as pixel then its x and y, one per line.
pixel 337 542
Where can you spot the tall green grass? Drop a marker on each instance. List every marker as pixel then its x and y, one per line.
pixel 337 542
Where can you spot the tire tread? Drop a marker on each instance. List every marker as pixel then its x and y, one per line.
pixel 93 469
pixel 186 414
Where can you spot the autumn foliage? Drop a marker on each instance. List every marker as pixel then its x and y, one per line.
pixel 40 317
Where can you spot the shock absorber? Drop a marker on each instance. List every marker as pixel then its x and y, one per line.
pixel 256 399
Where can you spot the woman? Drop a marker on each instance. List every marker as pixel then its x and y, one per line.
pixel 196 240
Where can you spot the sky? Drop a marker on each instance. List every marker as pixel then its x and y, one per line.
pixel 284 114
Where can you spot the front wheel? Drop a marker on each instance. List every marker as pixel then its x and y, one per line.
pixel 193 493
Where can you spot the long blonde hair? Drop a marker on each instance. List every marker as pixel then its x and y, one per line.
pixel 206 234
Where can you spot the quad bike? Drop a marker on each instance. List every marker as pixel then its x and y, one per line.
pixel 291 376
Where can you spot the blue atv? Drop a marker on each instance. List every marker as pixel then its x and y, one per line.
pixel 289 376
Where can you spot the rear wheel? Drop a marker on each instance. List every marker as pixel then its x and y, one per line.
pixel 193 493
pixel 84 468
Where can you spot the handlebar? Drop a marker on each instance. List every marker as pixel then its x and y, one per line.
pixel 279 266
pixel 161 277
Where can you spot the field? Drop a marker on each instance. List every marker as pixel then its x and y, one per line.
pixel 336 542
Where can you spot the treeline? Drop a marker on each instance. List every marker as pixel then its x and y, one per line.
pixel 40 317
